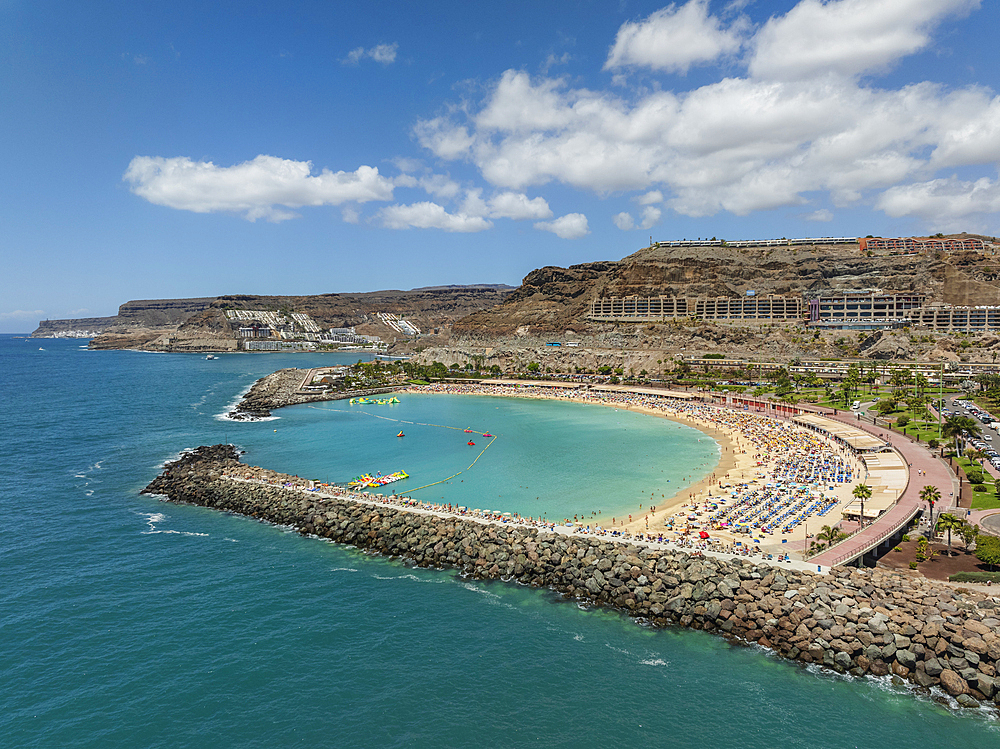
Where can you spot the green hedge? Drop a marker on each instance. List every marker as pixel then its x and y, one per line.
pixel 974 577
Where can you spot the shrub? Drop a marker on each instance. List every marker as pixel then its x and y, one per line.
pixel 902 421
pixel 897 548
pixel 933 444
pixel 975 577
pixel 979 487
pixel 913 565
pixel 974 475
pixel 988 550
pixel 923 552
pixel 906 537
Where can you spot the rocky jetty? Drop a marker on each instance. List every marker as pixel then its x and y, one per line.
pixel 281 388
pixel 856 621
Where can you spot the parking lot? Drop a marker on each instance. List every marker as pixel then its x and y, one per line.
pixel 989 442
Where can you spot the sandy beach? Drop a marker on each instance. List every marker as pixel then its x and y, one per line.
pixel 752 456
pixel 731 458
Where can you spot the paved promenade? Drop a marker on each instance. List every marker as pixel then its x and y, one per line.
pixel 919 459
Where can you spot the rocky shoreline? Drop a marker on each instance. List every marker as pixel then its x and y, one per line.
pixel 281 388
pixel 856 621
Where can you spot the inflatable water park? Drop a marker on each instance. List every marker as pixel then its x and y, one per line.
pixel 374 401
pixel 363 482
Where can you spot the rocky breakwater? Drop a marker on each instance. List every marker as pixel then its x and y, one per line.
pixel 857 621
pixel 281 388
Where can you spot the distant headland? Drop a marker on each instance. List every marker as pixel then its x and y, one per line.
pixel 779 300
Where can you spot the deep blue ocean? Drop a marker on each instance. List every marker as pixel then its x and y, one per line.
pixel 126 621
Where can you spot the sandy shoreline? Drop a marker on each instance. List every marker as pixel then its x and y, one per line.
pixel 728 461
pixel 731 458
pixel 739 462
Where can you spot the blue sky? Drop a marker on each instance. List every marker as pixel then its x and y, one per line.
pixel 179 149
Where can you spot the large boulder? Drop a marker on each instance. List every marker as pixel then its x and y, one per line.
pixel 953 683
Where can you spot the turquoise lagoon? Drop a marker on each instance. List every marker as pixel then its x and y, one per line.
pixel 551 458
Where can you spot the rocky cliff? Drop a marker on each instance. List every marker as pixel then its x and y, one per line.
pixel 79 327
pixel 553 300
pixel 201 324
pixel 551 305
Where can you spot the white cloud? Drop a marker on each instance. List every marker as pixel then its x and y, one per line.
pixel 350 215
pixel 444 138
pixel 383 53
pixel 407 164
pixel 512 205
pixel 254 188
pixel 440 186
pixel 673 39
pixel 650 217
pixel 624 221
pixel 846 37
pixel 518 206
pixel 821 215
pixel 474 205
pixel 427 215
pixel 739 144
pixel 570 226
pixel 950 203
pixel 551 61
pixel 22 314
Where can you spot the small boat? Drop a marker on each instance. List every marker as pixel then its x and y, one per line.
pixel 400 435
pixel 468 431
pixel 487 434
pixel 472 443
pixel 211 356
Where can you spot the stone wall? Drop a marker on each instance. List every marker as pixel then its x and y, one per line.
pixel 851 620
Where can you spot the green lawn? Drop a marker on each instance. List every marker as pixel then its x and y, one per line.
pixel 987 500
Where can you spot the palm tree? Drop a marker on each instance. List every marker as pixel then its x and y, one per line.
pixel 853 379
pixel 829 535
pixel 988 380
pixel 949 522
pixel 957 427
pixel 862 492
pixel 930 495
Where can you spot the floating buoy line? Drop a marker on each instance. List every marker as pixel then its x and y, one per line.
pixel 363 401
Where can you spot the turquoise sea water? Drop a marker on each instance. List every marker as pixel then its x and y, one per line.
pixel 125 621
pixel 545 457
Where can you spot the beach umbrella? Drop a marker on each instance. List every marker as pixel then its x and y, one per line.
pixel 703 534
